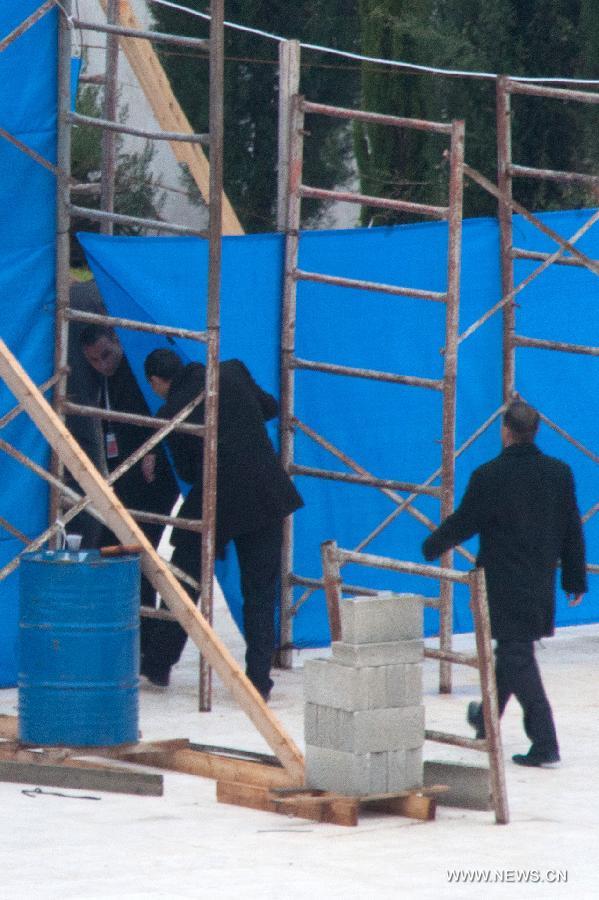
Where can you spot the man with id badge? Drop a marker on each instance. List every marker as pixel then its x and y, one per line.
pixel 150 484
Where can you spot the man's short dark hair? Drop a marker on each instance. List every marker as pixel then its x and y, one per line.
pixel 164 363
pixel 522 420
pixel 92 333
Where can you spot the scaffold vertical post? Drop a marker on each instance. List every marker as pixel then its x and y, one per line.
pixel 289 78
pixel 296 142
pixel 109 137
pixel 332 586
pixel 504 183
pixel 213 323
pixel 452 310
pixel 63 224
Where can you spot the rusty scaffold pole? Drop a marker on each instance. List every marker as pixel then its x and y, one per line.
pixel 213 328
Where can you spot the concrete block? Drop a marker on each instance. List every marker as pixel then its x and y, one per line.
pixel 329 683
pixel 364 731
pixel 404 769
pixel 358 775
pixel 469 786
pixel 403 684
pixel 346 773
pixel 389 653
pixel 385 617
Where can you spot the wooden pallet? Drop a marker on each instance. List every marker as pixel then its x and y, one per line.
pixel 326 806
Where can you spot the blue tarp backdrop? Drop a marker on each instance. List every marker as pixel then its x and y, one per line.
pixel 27 230
pixel 393 431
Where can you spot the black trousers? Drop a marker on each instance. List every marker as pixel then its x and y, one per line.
pixel 259 557
pixel 517 673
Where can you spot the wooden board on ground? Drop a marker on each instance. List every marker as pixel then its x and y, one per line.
pixel 114 780
pixel 209 763
pixel 326 806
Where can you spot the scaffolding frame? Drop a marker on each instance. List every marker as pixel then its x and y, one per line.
pixel 291 149
pixel 65 502
pixel 291 109
pixel 289 56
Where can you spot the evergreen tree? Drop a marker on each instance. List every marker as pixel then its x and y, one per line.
pixel 136 192
pixel 553 38
pixel 250 94
pixel 395 163
pixel 587 67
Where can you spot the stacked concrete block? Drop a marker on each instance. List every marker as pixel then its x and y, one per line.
pixel 364 718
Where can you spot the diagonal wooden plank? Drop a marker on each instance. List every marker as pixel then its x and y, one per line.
pixel 128 532
pixel 169 115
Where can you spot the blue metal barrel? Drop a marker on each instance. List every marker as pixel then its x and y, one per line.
pixel 78 649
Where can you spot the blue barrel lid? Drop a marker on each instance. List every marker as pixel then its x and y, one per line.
pixel 79 557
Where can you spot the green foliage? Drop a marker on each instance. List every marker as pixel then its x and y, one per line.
pixel 396 163
pixel 558 38
pixel 250 95
pixel 136 192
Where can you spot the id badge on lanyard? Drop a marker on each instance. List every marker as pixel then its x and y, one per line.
pixel 112 447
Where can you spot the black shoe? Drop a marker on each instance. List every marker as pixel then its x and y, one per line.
pixel 157 675
pixel 535 760
pixel 474 717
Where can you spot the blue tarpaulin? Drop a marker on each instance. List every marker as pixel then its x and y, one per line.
pixel 392 431
pixel 27 240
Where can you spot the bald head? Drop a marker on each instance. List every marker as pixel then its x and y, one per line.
pixel 521 422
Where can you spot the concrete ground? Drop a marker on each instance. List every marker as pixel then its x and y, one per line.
pixel 186 845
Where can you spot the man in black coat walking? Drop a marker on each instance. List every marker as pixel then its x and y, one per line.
pixel 522 504
pixel 254 494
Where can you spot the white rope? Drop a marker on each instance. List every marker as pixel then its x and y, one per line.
pixel 65 13
pixel 380 61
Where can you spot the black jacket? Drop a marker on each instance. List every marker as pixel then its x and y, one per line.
pixel 253 490
pixel 125 395
pixel 522 504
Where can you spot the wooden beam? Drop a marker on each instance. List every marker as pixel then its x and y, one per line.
pixel 169 115
pixel 128 532
pixel 331 808
pixel 122 781
pixel 211 765
pixel 9 727
pixel 327 806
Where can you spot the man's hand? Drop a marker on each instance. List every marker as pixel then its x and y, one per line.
pixel 574 599
pixel 148 466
